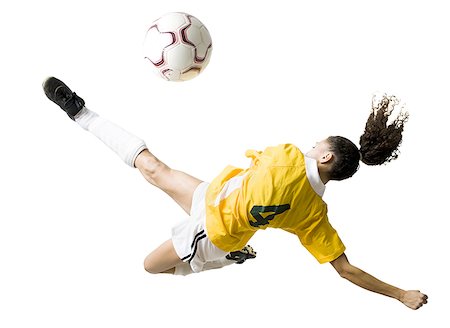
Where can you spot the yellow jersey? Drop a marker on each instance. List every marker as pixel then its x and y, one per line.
pixel 281 189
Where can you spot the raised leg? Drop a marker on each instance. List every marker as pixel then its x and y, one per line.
pixel 178 185
pixel 131 149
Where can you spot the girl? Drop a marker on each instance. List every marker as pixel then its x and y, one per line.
pixel 282 188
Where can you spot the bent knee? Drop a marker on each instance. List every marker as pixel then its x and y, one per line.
pixel 154 270
pixel 150 268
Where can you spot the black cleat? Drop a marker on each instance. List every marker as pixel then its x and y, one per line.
pixel 61 95
pixel 241 256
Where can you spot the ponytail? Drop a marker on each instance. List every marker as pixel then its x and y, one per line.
pixel 379 142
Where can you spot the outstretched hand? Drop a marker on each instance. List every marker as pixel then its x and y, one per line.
pixel 414 299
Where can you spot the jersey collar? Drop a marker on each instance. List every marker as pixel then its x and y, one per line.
pixel 312 172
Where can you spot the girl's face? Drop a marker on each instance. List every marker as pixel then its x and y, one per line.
pixel 319 151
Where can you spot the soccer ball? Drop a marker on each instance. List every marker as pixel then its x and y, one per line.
pixel 178 46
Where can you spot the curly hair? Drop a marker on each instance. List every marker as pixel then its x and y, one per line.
pixel 379 142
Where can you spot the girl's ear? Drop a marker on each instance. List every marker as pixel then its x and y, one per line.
pixel 326 158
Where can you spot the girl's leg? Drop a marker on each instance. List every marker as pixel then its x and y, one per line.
pixel 133 151
pixel 234 257
pixel 178 185
pixel 163 259
pixel 184 268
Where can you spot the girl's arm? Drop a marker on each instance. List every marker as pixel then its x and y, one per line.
pixel 413 299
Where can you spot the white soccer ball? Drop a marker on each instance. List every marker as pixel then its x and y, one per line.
pixel 178 46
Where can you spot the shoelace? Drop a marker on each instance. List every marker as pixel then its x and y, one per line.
pixel 71 100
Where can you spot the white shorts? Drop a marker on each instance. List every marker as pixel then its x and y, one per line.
pixel 190 238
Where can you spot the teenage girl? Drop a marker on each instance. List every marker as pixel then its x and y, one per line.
pixel 282 188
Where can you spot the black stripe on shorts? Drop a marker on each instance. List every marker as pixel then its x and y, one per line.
pixel 200 235
pixel 195 248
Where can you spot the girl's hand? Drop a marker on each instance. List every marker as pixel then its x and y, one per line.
pixel 414 299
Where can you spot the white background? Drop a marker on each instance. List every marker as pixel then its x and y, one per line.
pixel 76 223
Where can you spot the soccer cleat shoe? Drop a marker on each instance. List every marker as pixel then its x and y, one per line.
pixel 61 95
pixel 241 256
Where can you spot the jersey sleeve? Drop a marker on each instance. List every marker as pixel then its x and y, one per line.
pixel 322 241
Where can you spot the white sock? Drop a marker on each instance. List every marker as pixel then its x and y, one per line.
pixel 184 268
pixel 217 264
pixel 123 143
